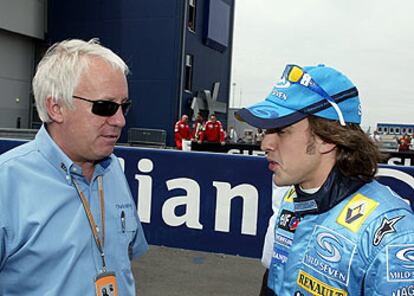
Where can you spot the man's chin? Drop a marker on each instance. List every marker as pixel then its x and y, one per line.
pixel 104 153
pixel 280 182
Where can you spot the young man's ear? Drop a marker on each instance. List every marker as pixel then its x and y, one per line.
pixel 325 148
pixel 54 110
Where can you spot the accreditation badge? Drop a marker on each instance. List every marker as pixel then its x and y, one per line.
pixel 106 284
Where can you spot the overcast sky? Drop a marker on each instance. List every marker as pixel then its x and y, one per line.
pixel 371 41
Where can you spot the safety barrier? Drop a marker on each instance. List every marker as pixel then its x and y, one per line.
pixel 209 201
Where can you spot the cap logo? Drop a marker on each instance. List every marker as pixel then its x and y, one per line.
pixel 266 113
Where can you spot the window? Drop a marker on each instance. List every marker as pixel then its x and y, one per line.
pixel 188 82
pixel 386 130
pixel 410 131
pixel 191 15
pixel 391 130
pixel 397 130
pixel 404 130
pixel 218 25
pixel 380 129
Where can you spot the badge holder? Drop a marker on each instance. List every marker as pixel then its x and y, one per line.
pixel 106 284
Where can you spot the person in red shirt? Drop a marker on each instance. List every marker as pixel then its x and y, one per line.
pixel 182 132
pixel 213 131
pixel 404 143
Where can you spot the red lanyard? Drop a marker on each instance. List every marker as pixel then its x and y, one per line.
pixel 92 223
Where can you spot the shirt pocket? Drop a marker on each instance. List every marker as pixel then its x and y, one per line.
pixel 126 232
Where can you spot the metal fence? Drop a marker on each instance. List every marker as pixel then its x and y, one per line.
pixel 17 133
pixel 155 138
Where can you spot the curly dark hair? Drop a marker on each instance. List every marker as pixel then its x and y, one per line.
pixel 357 156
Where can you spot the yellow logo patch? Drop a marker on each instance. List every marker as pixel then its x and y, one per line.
pixel 356 212
pixel 316 287
pixel 290 194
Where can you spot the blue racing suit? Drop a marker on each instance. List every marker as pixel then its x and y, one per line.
pixel 349 238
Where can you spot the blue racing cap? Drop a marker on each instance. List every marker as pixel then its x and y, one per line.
pixel 316 90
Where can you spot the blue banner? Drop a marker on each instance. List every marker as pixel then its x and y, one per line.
pixel 209 201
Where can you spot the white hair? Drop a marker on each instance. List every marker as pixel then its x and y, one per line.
pixel 58 73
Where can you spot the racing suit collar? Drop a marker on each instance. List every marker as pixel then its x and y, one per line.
pixel 335 189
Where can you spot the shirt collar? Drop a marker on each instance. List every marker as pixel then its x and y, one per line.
pixel 336 188
pixel 52 152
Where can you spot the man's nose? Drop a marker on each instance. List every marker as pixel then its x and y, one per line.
pixel 268 143
pixel 118 119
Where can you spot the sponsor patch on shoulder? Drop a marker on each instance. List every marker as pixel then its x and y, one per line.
pixel 356 212
pixel 386 227
pixel 400 263
pixel 317 287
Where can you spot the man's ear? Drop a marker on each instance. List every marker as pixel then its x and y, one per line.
pixel 54 110
pixel 325 148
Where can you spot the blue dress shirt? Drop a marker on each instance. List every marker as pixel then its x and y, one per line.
pixel 46 243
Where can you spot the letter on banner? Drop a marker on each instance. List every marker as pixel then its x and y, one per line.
pixel 250 198
pixel 191 201
pixel 144 198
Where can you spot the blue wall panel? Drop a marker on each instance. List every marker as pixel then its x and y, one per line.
pixel 160 178
pixel 218 29
pixel 203 170
pixel 147 35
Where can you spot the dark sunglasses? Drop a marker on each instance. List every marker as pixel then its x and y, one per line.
pixel 107 108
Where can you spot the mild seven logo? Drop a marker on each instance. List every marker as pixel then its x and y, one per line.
pixel 328 247
pixel 406 256
pixel 400 263
pixel 330 254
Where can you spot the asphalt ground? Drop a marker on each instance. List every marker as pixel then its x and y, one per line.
pixel 176 272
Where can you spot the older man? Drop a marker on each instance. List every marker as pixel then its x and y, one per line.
pixel 213 131
pixel 68 223
pixel 182 132
pixel 338 231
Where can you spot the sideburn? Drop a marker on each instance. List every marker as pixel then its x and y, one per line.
pixel 311 145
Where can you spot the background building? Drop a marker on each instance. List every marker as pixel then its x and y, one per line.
pixel 177 50
pixel 22 27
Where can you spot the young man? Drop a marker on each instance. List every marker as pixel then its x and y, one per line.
pixel 338 232
pixel 68 223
